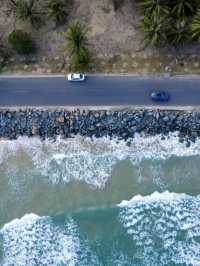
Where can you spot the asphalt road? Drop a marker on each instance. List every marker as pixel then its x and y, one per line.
pixel 97 91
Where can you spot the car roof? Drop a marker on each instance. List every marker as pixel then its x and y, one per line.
pixel 76 76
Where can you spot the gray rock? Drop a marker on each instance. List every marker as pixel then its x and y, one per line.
pixel 121 124
pixel 165 118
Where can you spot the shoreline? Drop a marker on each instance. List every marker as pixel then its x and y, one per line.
pixel 122 123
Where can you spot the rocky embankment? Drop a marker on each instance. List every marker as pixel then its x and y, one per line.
pixel 122 124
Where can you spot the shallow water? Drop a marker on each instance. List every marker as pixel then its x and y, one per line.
pixel 76 202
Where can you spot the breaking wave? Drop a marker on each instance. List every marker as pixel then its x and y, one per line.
pixel 83 159
pixel 34 240
pixel 159 229
pixel 165 228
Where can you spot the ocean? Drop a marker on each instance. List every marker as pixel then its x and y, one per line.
pixel 89 202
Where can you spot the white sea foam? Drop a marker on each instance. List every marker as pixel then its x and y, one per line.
pixel 165 227
pixel 34 240
pixel 91 161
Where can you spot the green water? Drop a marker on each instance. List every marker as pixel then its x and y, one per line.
pixel 76 202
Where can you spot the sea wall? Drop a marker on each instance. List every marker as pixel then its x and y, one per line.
pixel 123 124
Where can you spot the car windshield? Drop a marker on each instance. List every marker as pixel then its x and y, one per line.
pixel 161 94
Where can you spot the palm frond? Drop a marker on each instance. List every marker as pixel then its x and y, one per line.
pixel 195 26
pixel 57 10
pixel 77 46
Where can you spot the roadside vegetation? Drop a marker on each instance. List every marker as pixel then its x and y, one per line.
pixel 58 11
pixel 163 23
pixel 27 11
pixel 21 42
pixel 31 11
pixel 4 54
pixel 77 47
pixel 170 22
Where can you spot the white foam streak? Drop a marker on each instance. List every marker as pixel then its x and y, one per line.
pixel 156 196
pixel 87 160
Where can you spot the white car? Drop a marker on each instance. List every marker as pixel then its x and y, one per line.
pixel 76 77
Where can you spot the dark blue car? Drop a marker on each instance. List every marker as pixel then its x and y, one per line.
pixel 160 96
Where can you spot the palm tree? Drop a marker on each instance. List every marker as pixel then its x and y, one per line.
pixel 77 46
pixel 154 21
pixel 195 26
pixel 179 33
pixel 26 10
pixel 167 21
pixel 154 29
pixel 76 36
pixel 56 10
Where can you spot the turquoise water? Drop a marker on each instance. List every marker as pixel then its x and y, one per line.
pixel 100 202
